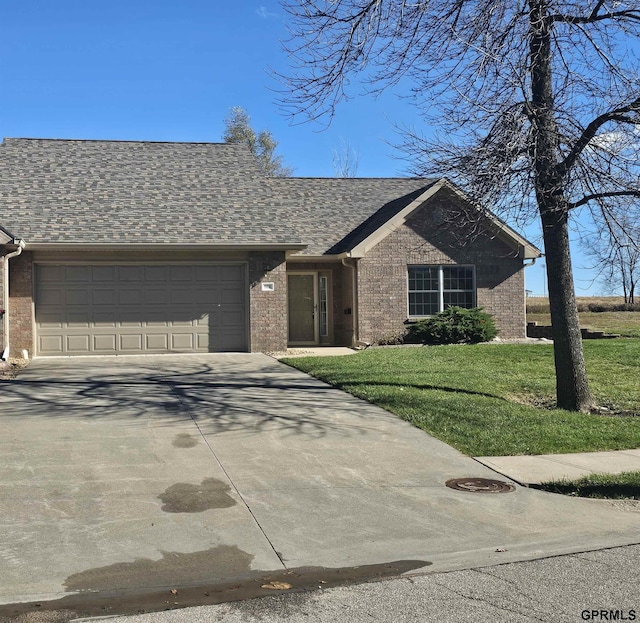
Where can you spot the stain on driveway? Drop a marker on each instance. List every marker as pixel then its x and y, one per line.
pixel 187 498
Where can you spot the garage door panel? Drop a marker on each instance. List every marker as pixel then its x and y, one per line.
pixel 157 341
pixel 110 309
pixel 130 323
pixel 131 342
pixel 211 274
pixel 203 321
pixel 78 343
pixel 130 274
pixel 103 274
pixel 130 296
pixel 230 342
pixel 51 297
pixel 155 273
pixel 50 345
pixel 52 320
pixel 103 296
pixel 208 294
pixel 232 274
pixel 230 320
pixel 157 319
pixel 105 344
pixel 181 274
pixel 51 274
pixel 182 295
pixel 231 295
pixel 182 341
pixel 156 295
pixel 78 319
pixel 104 318
pixel 76 296
pixel 75 274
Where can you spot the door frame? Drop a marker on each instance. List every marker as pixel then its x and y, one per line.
pixel 316 315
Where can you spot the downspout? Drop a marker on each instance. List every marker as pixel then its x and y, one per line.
pixel 355 338
pixel 5 296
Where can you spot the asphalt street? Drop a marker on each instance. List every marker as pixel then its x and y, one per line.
pixel 599 586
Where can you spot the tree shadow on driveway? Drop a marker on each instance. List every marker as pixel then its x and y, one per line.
pixel 224 395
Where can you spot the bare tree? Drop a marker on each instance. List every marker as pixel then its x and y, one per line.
pixel 537 103
pixel 262 145
pixel 616 251
pixel 345 160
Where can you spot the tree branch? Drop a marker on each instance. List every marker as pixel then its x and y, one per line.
pixel 592 128
pixel 604 195
pixel 595 16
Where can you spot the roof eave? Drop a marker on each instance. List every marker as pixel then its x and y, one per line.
pixel 6 237
pixel 249 246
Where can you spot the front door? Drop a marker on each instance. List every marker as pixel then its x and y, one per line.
pixel 303 317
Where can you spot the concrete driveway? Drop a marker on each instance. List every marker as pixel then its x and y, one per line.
pixel 126 475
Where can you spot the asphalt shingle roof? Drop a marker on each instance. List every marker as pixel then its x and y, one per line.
pixel 115 192
pixel 335 214
pixel 128 192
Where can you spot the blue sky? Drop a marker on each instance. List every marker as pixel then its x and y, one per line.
pixel 170 71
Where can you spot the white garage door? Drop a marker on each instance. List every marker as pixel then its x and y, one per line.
pixel 129 309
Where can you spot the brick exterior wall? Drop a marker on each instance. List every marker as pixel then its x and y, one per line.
pixel 268 310
pixel 21 334
pixel 425 240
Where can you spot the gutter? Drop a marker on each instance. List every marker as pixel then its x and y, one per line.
pixel 5 296
pixel 533 260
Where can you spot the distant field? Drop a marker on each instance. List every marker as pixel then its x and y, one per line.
pixel 625 323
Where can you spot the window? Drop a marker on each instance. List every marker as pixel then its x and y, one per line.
pixel 434 288
pixel 322 306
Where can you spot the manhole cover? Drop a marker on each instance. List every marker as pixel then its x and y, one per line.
pixel 479 485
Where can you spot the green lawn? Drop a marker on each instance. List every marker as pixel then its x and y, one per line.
pixel 611 486
pixel 494 399
pixel 623 323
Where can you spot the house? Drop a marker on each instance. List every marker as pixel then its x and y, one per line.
pixel 116 247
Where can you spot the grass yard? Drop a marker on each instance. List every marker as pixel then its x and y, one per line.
pixel 611 486
pixel 494 399
pixel 626 324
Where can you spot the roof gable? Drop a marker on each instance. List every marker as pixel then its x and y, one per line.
pixel 497 227
pixel 334 214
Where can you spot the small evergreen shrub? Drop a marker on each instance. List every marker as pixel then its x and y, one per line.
pixel 455 325
pixel 393 339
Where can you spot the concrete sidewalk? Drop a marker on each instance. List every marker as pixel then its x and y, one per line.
pixel 533 470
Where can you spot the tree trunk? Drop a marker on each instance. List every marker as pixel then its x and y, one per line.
pixel 572 387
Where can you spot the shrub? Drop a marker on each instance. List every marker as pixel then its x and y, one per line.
pixel 393 339
pixel 455 325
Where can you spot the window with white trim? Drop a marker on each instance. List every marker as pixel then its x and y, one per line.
pixel 434 288
pixel 323 307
